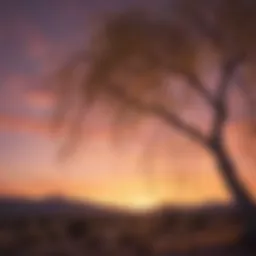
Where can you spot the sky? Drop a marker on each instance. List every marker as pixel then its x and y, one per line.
pixel 36 38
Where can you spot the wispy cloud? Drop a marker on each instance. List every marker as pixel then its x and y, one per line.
pixel 40 98
pixel 22 124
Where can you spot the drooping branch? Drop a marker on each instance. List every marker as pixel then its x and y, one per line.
pixel 159 111
pixel 201 17
pixel 208 30
pixel 64 90
pixel 148 157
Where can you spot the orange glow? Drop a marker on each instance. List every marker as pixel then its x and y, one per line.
pixel 98 174
pixel 126 193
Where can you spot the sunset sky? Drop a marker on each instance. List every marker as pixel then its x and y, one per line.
pixel 36 38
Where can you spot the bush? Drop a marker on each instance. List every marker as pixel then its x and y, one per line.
pixel 78 229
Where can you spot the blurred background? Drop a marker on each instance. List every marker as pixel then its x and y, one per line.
pixel 36 39
pixel 150 168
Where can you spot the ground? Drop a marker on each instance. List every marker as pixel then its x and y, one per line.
pixel 166 233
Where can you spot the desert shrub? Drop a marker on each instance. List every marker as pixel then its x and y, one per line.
pixel 53 236
pixel 51 228
pixel 94 244
pixel 20 224
pixel 44 222
pixel 126 240
pixel 78 229
pixel 198 222
pixel 166 223
pixel 24 243
pixel 234 219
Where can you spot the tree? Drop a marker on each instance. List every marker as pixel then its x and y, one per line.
pixel 141 62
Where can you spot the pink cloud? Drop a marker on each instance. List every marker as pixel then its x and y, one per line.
pixel 22 124
pixel 13 93
pixel 17 83
pixel 40 98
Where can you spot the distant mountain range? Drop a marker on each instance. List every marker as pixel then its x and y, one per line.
pixel 11 206
pixel 55 205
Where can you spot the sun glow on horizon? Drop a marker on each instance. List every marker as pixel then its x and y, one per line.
pixel 124 193
pixel 141 203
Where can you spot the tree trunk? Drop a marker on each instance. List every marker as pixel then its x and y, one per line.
pixel 228 170
pixel 240 193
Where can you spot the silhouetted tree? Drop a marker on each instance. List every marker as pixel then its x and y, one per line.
pixel 154 66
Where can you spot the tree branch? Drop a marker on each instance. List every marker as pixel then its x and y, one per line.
pixel 159 111
pixel 229 70
pixel 220 118
pixel 248 96
pixel 205 28
pixel 195 82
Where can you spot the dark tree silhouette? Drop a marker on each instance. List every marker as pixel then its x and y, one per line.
pixel 154 66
